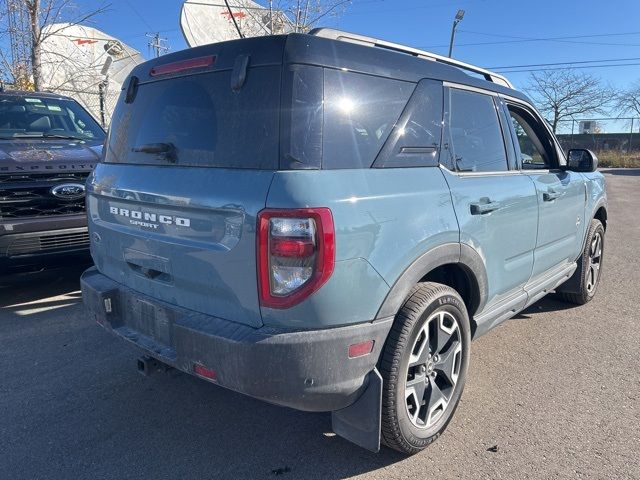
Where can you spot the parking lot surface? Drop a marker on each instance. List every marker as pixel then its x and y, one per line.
pixel 552 393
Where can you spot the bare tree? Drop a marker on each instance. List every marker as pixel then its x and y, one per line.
pixel 565 94
pixel 39 14
pixel 306 14
pixel 627 102
pixel 293 15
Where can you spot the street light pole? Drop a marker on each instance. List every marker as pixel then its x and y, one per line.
pixel 456 21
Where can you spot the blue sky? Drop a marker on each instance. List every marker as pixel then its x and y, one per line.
pixel 612 28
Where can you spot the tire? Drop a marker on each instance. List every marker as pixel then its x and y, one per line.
pixel 589 269
pixel 430 335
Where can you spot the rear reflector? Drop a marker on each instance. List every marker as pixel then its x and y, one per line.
pixel 198 62
pixel 204 371
pixel 360 349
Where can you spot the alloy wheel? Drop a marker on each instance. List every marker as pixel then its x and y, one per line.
pixel 433 370
pixel 595 257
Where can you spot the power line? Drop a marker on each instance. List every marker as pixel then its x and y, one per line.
pixel 565 63
pixel 519 37
pixel 138 14
pixel 565 68
pixel 562 39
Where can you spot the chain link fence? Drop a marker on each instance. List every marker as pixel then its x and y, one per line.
pixel 616 141
pixel 601 134
pixel 99 100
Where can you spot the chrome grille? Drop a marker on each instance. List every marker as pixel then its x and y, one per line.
pixel 29 194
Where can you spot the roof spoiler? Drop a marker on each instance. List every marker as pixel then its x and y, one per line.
pixel 374 42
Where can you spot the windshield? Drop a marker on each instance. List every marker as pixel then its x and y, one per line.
pixel 34 116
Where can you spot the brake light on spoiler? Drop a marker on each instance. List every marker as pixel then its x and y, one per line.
pixel 189 64
pixel 296 254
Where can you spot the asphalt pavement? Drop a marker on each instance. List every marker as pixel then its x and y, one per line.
pixel 552 393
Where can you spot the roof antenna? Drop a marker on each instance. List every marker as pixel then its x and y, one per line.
pixel 226 2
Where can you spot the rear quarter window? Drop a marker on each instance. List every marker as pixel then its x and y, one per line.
pixel 359 113
pixel 203 119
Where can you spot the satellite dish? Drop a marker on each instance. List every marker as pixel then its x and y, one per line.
pixel 76 60
pixel 209 21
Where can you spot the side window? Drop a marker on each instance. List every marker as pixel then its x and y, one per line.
pixel 415 139
pixel 359 113
pixel 529 146
pixel 477 144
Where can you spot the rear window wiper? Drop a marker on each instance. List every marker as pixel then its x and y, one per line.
pixel 166 150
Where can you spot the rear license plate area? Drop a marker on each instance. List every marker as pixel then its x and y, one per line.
pixel 149 319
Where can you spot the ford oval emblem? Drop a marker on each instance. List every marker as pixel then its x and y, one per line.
pixel 68 191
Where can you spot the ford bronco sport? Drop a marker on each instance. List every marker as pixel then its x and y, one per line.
pixel 325 221
pixel 48 146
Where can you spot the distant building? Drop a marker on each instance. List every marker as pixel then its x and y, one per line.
pixel 589 126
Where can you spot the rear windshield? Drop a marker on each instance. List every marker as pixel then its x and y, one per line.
pixel 326 119
pixel 29 116
pixel 198 120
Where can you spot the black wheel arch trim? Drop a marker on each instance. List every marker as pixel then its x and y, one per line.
pixel 461 254
pixel 572 285
pixel 602 203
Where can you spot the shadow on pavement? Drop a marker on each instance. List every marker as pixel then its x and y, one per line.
pixel 34 286
pixel 550 303
pixel 627 172
pixel 176 417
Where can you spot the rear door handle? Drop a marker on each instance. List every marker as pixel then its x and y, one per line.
pixel 551 195
pixel 479 208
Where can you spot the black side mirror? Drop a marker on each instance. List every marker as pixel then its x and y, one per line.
pixel 582 160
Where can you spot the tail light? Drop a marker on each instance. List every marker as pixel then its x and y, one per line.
pixel 296 254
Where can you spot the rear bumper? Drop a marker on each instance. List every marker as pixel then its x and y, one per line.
pixel 305 370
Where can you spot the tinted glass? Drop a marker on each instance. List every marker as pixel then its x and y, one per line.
pixel 198 120
pixel 359 113
pixel 34 116
pixel 415 139
pixel 532 153
pixel 476 136
pixel 302 124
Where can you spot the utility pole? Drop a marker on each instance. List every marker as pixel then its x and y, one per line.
pixel 157 43
pixel 456 21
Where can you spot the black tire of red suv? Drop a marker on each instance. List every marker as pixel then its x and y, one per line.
pixel 589 266
pixel 430 339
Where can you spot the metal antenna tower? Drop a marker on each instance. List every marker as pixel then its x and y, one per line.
pixel 157 43
pixel 19 39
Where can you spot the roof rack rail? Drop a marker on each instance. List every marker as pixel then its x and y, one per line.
pixel 374 42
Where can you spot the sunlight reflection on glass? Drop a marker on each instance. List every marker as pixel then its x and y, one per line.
pixel 346 105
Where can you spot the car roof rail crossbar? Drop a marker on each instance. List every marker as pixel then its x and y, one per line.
pixel 374 42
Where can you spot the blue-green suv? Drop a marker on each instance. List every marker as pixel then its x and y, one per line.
pixel 326 221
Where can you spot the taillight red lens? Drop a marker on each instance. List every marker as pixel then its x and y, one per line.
pixel 291 247
pixel 296 254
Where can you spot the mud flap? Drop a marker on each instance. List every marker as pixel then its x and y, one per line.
pixel 360 422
